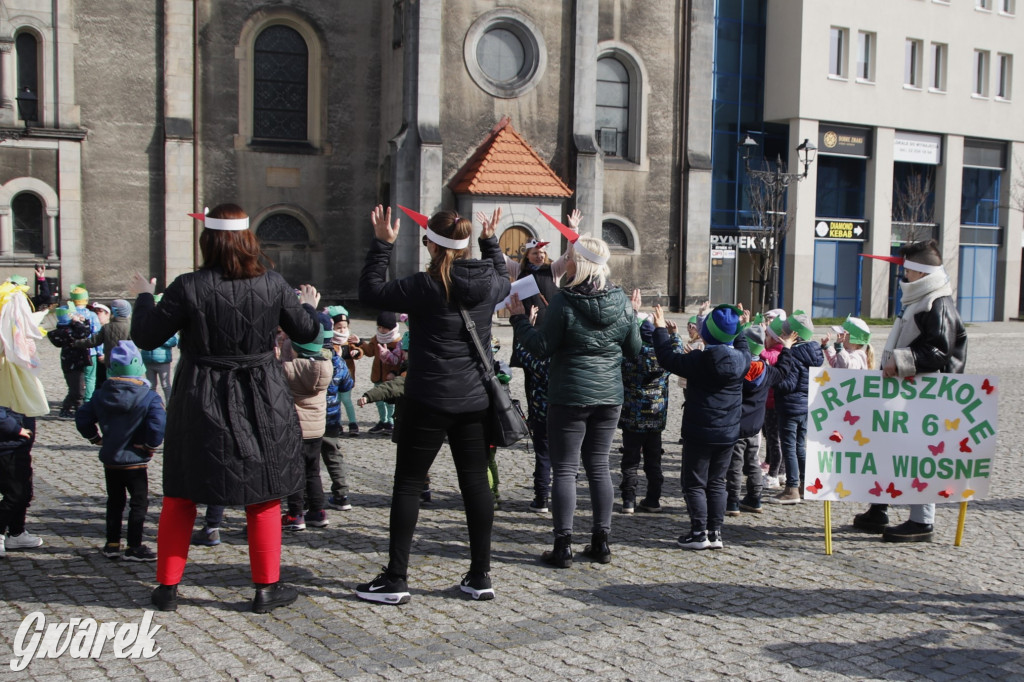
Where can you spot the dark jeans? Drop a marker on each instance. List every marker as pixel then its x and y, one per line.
pixel 541 458
pixel 214 515
pixel 744 462
pixel 424 429
pixel 313 496
pixel 704 484
pixel 122 484
pixel 772 444
pixel 581 434
pixel 334 461
pixel 75 379
pixel 793 434
pixel 16 489
pixel 634 447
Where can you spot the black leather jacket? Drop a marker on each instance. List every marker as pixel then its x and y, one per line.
pixel 942 344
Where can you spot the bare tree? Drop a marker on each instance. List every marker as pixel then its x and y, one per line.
pixel 913 207
pixel 766 191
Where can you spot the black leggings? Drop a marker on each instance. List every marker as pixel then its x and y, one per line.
pixel 423 431
pixel 122 485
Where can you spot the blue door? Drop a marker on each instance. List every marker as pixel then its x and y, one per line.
pixel 976 289
pixel 835 278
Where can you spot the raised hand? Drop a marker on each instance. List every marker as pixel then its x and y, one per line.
pixel 515 306
pixel 488 225
pixel 574 219
pixel 659 317
pixel 382 227
pixel 138 284
pixel 671 327
pixel 636 300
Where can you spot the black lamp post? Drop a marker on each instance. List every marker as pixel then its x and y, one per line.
pixel 767 199
pixel 28 106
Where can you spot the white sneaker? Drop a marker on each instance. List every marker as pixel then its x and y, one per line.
pixel 24 541
pixel 771 483
pixel 3 551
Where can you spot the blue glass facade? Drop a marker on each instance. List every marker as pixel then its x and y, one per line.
pixel 979 238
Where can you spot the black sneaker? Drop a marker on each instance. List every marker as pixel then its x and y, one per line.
pixel 694 540
pixel 269 597
pixel 377 428
pixel 909 531
pixel 389 427
pixel 140 553
pixel 425 495
pixel 539 504
pixel 649 506
pixel 386 589
pixel 165 597
pixel 353 430
pixel 628 506
pixel 751 505
pixel 477 586
pixel 339 502
pixel 112 550
pixel 732 509
pixel 715 539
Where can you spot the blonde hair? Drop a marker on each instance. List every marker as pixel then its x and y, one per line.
pixel 451 225
pixel 870 352
pixel 586 269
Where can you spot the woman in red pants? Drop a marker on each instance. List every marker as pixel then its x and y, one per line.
pixel 233 437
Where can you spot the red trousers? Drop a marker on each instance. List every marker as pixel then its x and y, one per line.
pixel 175 534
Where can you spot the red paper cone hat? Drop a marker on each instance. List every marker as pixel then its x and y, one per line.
pixel 417 218
pixel 569 233
pixel 888 259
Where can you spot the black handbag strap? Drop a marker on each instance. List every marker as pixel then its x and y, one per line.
pixel 471 326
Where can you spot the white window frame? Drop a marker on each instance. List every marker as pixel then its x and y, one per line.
pixel 983 5
pixel 639 86
pixel 838 55
pixel 939 59
pixel 866 41
pixel 1004 88
pixel 913 51
pixel 1008 7
pixel 979 87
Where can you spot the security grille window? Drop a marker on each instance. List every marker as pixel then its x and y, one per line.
pixel 613 107
pixel 1005 76
pixel 981 73
pixel 282 227
pixel 281 84
pixel 912 64
pixel 837 52
pixel 27 48
pixel 865 61
pixel 938 82
pixel 616 236
pixel 28 224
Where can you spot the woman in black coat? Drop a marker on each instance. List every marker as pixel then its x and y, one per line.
pixel 233 436
pixel 445 394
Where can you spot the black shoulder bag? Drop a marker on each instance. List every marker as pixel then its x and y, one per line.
pixel 506 425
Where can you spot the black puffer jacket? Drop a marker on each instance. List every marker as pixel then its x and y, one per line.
pixel 714 387
pixel 444 367
pixel 585 335
pixel 232 433
pixel 791 392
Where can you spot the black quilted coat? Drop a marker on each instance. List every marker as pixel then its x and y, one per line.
pixel 232 433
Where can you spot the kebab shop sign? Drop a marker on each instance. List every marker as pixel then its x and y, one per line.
pixel 924 439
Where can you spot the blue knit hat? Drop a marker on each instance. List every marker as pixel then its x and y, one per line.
pixel 126 361
pixel 721 325
pixel 328 324
pixel 63 316
pixel 120 308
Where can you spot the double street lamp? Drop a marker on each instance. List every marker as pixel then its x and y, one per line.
pixel 767 191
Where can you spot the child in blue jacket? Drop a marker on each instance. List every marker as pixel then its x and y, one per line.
pixel 711 416
pixel 131 416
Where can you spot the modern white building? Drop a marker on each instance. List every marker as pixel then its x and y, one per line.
pixel 916 110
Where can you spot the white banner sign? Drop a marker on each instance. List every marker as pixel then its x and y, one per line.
pixel 917 148
pixel 919 440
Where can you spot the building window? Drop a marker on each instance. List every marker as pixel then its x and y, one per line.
pixel 840 191
pixel 912 63
pixel 939 52
pixel 837 53
pixel 613 107
pixel 280 84
pixel 981 73
pixel 616 235
pixel 285 241
pixel 866 56
pixel 282 227
pixel 28 224
pixel 1005 76
pixel 505 53
pixel 985 5
pixel 1008 7
pixel 27 48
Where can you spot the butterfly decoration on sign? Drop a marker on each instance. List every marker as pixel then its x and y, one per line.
pixel 861 439
pixel 851 418
pixel 877 490
pixel 964 447
pixel 815 487
pixel 836 436
pixel 946 493
pixel 937 449
pixel 987 387
pixel 893 491
pixel 841 491
pixel 823 379
pixel 918 484
pixel 953 424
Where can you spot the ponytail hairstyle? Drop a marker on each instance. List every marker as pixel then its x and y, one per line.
pixel 870 352
pixel 451 225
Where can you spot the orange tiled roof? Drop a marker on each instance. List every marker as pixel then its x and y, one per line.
pixel 506 164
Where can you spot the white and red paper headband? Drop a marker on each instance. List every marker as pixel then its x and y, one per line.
pixel 572 235
pixel 908 264
pixel 421 220
pixel 229 224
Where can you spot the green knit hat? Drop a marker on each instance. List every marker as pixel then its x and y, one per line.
pixel 692 320
pixel 722 324
pixel 79 293
pixel 20 280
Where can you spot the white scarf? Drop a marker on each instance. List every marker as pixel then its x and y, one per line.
pixel 917 297
pixel 390 337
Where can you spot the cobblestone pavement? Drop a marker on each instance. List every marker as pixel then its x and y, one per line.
pixel 769 606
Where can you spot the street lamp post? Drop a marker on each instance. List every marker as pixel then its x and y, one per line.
pixel 28 111
pixel 767 190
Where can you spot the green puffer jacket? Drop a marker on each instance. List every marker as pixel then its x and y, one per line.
pixel 585 335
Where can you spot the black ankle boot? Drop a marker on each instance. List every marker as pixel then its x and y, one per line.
pixel 598 549
pixel 269 597
pixel 561 555
pixel 165 597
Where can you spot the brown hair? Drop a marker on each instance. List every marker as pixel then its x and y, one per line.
pixel 525 258
pixel 236 253
pixel 451 225
pixel 924 252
